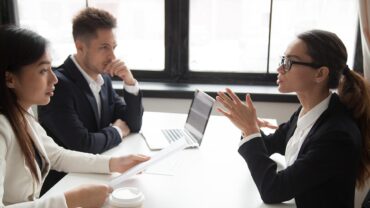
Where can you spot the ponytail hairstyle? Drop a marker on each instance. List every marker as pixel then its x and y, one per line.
pixel 354 91
pixel 18 48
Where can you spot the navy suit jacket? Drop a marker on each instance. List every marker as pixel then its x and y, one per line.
pixel 324 174
pixel 71 117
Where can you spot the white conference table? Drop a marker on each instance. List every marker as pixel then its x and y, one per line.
pixel 215 175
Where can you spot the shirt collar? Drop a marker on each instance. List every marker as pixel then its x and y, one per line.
pixel 98 82
pixel 311 116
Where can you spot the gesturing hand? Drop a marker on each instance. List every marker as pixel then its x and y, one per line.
pixel 264 123
pixel 242 115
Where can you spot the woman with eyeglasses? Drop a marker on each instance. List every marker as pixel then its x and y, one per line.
pixel 26 152
pixel 326 142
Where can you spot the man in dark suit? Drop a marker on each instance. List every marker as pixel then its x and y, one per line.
pixel 86 114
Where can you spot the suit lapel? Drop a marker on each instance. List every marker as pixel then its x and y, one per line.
pixel 39 147
pixel 74 74
pixel 334 104
pixel 312 131
pixel 104 104
pixel 292 128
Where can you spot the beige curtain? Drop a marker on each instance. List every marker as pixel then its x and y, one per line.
pixel 364 14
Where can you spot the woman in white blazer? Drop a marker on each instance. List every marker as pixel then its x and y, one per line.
pixel 26 152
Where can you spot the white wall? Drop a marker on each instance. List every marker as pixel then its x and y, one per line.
pixel 279 111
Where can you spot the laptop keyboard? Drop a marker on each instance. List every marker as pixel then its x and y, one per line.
pixel 173 135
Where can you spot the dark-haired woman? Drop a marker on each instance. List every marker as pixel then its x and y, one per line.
pixel 326 141
pixel 26 152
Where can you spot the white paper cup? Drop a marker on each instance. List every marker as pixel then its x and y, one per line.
pixel 126 197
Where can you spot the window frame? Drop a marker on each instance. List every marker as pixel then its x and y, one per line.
pixel 177 16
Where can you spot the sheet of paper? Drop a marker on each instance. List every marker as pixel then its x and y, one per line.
pixel 164 153
pixel 166 167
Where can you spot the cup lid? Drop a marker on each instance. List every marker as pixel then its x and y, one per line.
pixel 127 197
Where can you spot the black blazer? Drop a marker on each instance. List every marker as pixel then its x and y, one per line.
pixel 324 174
pixel 71 117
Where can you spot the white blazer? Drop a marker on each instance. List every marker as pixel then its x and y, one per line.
pixel 17 186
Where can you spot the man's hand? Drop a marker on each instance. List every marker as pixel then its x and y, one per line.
pixel 123 126
pixel 118 68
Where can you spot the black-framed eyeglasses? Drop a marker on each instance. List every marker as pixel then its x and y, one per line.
pixel 287 63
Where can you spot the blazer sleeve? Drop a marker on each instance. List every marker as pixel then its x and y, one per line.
pixel 130 109
pixel 3 152
pixel 60 118
pixel 276 142
pixel 72 161
pixel 323 159
pixel 47 202
pixel 44 202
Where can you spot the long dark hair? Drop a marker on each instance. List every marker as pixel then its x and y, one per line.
pixel 18 47
pixel 326 49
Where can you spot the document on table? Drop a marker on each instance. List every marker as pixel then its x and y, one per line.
pixel 164 153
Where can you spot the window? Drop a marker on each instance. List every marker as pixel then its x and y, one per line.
pixel 198 41
pixel 53 20
pixel 140 31
pixel 229 36
pixel 290 17
pixel 139 34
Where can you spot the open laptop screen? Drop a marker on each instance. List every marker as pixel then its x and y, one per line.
pixel 198 115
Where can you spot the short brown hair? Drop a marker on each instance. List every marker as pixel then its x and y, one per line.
pixel 88 21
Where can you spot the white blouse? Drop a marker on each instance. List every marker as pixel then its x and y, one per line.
pixel 304 125
pixel 17 186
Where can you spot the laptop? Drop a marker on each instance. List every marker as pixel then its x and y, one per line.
pixel 193 131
